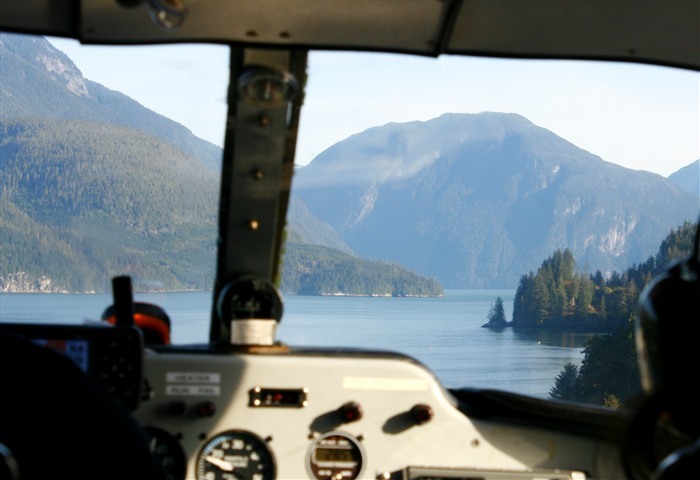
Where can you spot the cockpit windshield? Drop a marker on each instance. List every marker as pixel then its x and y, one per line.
pixel 494 219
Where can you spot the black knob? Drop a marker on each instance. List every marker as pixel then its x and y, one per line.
pixel 176 407
pixel 350 412
pixel 421 413
pixel 206 409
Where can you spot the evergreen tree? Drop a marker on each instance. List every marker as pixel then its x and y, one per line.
pixel 542 300
pixel 599 280
pixel 677 244
pixel 566 385
pixel 584 298
pixel 497 315
pixel 524 308
pixel 610 367
pixel 602 310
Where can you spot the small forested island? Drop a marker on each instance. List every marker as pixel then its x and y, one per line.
pixel 315 270
pixel 496 316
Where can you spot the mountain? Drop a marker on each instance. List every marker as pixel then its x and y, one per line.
pixel 93 184
pixel 303 227
pixel 484 197
pixel 73 213
pixel 688 178
pixel 41 81
pixel 153 217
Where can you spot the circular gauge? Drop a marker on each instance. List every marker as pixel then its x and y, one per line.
pixel 249 298
pixel 235 455
pixel 166 448
pixel 335 455
pixel 266 87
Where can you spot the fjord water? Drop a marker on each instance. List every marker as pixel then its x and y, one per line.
pixel 443 333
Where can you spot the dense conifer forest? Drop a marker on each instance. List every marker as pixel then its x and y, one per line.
pixel 609 372
pixel 314 270
pixel 559 296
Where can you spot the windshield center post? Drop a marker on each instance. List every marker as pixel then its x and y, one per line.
pixel 264 102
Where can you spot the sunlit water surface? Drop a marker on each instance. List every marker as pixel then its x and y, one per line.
pixel 443 333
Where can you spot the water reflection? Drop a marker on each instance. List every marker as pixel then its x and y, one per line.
pixel 554 338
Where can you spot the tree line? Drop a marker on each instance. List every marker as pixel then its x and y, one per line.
pixel 609 371
pixel 315 270
pixel 558 296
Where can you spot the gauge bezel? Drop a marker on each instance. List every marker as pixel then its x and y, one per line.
pixel 178 469
pixel 347 436
pixel 250 437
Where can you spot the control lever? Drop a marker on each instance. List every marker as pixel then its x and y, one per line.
pixel 123 301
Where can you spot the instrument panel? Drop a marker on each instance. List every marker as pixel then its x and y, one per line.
pixel 337 415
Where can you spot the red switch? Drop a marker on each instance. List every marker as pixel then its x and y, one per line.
pixel 350 411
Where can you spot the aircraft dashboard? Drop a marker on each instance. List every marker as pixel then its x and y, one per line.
pixel 337 415
pixel 264 412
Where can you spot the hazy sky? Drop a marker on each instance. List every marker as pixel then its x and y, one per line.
pixel 642 117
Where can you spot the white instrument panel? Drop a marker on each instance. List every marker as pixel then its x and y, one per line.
pixel 342 415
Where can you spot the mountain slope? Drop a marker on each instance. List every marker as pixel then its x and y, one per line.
pixel 73 212
pixel 315 270
pixel 688 178
pixel 303 227
pixel 39 80
pixel 474 200
pixel 73 216
pixel 96 185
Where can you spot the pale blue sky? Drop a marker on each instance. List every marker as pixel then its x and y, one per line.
pixel 641 117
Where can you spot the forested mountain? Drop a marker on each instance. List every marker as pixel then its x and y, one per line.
pixel 475 200
pixel 688 178
pixel 94 185
pixel 73 213
pixel 73 217
pixel 314 270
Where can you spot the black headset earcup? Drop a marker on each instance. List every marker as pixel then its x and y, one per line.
pixel 667 330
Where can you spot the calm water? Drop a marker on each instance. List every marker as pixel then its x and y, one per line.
pixel 443 333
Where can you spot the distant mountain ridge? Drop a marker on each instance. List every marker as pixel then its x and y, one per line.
pixel 483 198
pixel 688 178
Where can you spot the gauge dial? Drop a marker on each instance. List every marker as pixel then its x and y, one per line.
pixel 249 298
pixel 166 448
pixel 235 455
pixel 266 87
pixel 335 455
